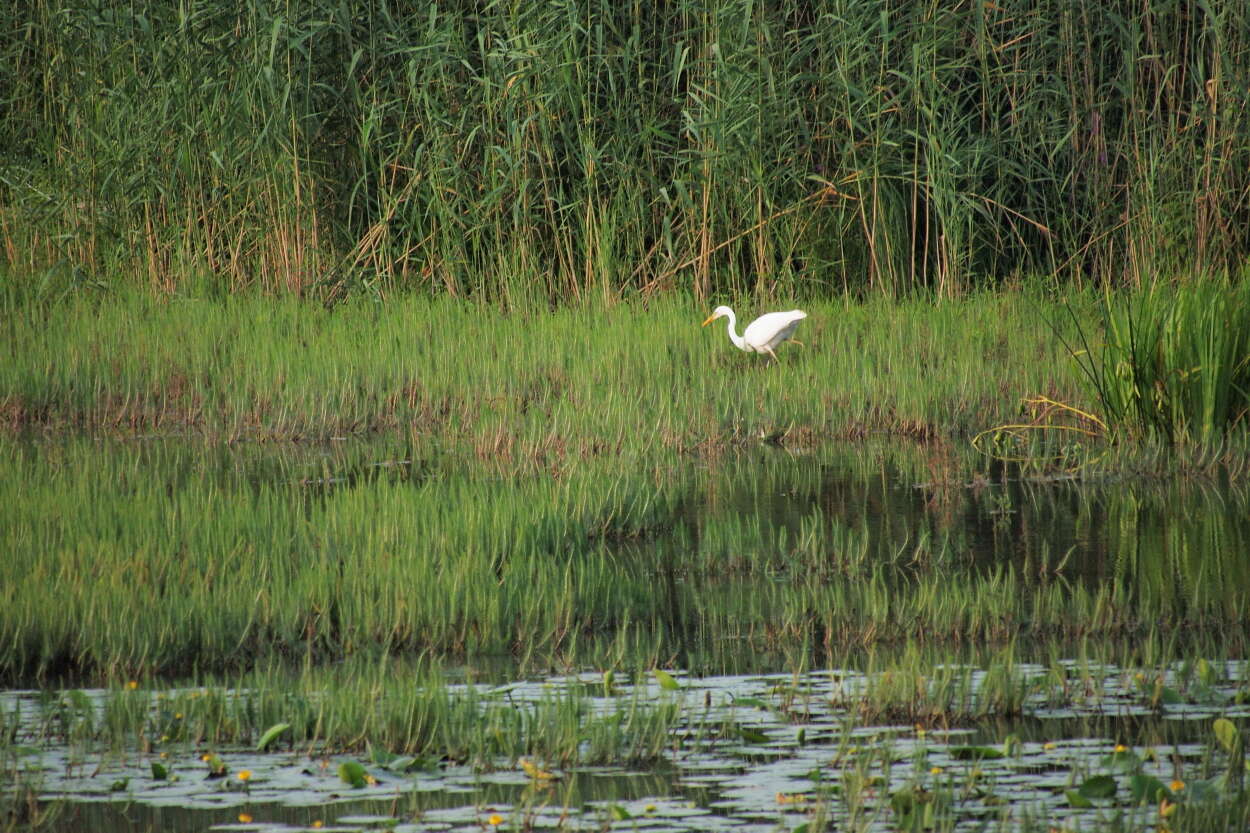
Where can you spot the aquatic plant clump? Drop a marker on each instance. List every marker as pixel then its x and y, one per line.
pixel 682 752
pixel 1173 362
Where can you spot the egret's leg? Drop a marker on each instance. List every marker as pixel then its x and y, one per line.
pixel 796 341
pixel 770 352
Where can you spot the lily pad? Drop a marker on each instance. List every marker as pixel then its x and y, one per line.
pixel 1098 786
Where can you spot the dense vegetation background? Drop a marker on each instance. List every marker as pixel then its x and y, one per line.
pixel 571 149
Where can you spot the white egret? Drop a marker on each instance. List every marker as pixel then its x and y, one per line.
pixel 764 333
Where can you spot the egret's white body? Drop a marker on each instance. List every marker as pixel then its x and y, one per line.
pixel 763 334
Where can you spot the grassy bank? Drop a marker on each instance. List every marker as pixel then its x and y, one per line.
pixel 537 384
pixel 542 387
pixel 571 151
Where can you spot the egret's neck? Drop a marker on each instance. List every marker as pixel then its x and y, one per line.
pixel 732 325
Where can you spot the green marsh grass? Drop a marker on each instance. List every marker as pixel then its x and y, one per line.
pixel 537 388
pixel 567 151
pixel 167 558
pixel 357 707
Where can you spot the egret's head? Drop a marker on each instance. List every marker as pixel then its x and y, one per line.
pixel 717 313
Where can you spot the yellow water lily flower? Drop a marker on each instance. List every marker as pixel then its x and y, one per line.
pixel 244 818
pixel 534 771
pixel 495 820
pixel 245 775
pixel 1177 785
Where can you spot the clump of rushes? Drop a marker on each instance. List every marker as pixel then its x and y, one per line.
pixel 1173 362
pixel 361 706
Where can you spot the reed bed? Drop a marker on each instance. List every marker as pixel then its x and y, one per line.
pixel 572 151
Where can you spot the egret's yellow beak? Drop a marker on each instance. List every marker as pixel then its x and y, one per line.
pixel 709 320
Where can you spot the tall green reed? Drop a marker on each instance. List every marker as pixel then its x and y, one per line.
pixel 576 151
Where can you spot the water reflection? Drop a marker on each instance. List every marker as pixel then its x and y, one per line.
pixel 779 548
pixel 738 562
pixel 755 561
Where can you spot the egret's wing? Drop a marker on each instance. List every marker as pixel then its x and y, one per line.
pixel 772 328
